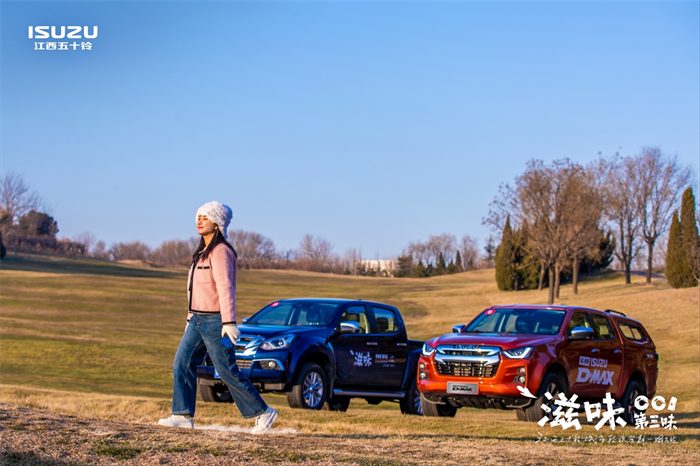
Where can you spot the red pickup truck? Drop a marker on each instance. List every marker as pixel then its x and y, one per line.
pixel 505 349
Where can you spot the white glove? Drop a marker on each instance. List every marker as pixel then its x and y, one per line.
pixel 231 331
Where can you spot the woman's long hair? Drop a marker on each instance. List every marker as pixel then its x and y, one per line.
pixel 205 250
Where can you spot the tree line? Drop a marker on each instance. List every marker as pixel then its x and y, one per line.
pixel 561 217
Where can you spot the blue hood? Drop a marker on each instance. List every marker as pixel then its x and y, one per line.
pixel 269 331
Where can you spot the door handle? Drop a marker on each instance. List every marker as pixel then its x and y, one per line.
pixel 401 344
pixel 595 350
pixel 371 343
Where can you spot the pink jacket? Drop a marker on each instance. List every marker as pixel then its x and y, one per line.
pixel 211 286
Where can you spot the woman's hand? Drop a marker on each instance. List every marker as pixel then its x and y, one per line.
pixel 231 331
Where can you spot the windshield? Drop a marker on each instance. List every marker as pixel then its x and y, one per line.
pixel 517 321
pixel 295 313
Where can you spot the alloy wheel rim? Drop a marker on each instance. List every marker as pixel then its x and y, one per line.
pixel 553 390
pixel 416 403
pixel 313 389
pixel 631 410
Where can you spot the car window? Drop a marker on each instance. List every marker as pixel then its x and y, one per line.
pixel 356 314
pixel 292 313
pixel 601 328
pixel 518 321
pixel 631 332
pixel 579 319
pixel 386 320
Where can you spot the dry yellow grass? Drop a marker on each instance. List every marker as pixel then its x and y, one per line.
pixel 73 313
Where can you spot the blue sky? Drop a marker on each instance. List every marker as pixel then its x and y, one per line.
pixel 368 123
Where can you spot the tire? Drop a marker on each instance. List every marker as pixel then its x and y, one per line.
pixel 411 404
pixel 215 394
pixel 521 415
pixel 633 390
pixel 431 409
pixel 310 388
pixel 552 384
pixel 337 403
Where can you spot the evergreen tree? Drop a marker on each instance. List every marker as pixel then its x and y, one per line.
pixel 451 268
pixel 35 223
pixel 527 266
pixel 404 266
pixel 440 268
pixel 420 271
pixel 3 251
pixel 458 263
pixel 505 269
pixel 689 239
pixel 675 263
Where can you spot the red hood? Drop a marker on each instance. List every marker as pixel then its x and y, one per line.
pixel 505 341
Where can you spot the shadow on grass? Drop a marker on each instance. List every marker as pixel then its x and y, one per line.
pixel 52 264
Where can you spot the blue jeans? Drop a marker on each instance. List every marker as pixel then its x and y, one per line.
pixel 204 334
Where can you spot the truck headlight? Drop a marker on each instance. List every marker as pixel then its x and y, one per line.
pixel 427 350
pixel 281 342
pixel 519 353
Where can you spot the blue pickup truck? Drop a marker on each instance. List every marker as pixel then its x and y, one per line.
pixel 323 352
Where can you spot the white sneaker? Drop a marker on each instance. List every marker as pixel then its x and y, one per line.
pixel 177 420
pixel 264 421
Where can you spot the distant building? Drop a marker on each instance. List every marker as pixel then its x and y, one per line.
pixel 375 267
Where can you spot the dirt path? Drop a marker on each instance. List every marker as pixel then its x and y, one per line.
pixel 37 437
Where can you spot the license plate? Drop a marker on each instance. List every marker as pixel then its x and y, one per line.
pixel 462 388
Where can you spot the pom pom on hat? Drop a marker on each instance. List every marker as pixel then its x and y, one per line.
pixel 218 213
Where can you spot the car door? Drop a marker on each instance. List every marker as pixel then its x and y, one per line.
pixel 606 367
pixel 354 358
pixel 391 346
pixel 577 355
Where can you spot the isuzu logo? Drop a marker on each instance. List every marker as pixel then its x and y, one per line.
pixel 467 347
pixel 62 32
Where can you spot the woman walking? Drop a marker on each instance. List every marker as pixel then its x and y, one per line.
pixel 211 326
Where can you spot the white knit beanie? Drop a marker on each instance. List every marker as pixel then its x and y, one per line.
pixel 218 213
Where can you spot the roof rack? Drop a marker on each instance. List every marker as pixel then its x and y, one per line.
pixel 616 312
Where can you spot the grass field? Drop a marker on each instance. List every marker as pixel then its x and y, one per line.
pixel 94 339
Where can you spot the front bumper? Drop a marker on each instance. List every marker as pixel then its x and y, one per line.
pixel 267 370
pixel 499 389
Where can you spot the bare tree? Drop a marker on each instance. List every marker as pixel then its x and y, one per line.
pixel 548 199
pixel 316 253
pixel 661 182
pixel 87 239
pixel 99 251
pixel 135 250
pixel 469 249
pixel 174 252
pixel 16 199
pixel 254 250
pixel 623 186
pixel 586 201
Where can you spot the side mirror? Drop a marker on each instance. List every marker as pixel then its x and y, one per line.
pixel 245 320
pixel 458 328
pixel 581 333
pixel 349 327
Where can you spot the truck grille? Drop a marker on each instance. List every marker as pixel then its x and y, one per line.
pixel 467 369
pixel 242 363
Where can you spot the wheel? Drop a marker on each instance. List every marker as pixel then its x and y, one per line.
pixel 215 394
pixel 521 415
pixel 633 390
pixel 552 384
pixel 309 389
pixel 431 409
pixel 411 404
pixel 337 403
